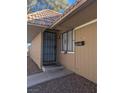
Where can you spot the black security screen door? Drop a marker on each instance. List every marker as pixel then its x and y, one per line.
pixel 49 48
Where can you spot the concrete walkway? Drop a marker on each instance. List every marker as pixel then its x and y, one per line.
pixel 46 76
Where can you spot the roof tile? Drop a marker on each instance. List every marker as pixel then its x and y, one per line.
pixel 47 17
pixel 44 17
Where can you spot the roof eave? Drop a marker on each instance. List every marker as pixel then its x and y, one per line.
pixel 37 25
pixel 83 3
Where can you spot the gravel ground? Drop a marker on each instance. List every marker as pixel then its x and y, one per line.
pixel 32 68
pixel 72 83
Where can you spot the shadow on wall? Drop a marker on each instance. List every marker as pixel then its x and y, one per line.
pixel 32 68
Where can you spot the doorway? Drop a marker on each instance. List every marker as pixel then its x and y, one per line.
pixel 49 48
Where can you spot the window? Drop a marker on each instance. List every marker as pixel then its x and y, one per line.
pixel 67 41
pixel 64 41
pixel 70 41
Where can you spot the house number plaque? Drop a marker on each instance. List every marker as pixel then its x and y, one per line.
pixel 80 43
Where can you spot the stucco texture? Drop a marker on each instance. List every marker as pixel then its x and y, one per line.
pixel 35 51
pixel 84 59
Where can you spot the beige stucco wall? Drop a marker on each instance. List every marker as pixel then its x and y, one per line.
pixel 66 60
pixel 84 60
pixel 35 51
pixel 86 56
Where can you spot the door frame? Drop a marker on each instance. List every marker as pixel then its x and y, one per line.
pixel 55 49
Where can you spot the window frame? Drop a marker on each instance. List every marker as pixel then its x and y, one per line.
pixel 62 49
pixel 72 44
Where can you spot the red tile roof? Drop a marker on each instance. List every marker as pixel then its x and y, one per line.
pixel 44 17
pixel 47 17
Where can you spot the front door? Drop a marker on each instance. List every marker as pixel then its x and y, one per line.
pixel 49 48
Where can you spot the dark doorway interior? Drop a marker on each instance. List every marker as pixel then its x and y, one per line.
pixel 49 48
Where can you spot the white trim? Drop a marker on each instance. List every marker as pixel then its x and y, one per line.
pixel 67 52
pixel 88 23
pixel 70 52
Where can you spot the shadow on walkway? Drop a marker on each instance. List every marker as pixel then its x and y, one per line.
pixel 32 67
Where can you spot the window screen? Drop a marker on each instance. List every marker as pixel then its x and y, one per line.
pixel 67 41
pixel 70 41
pixel 64 41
